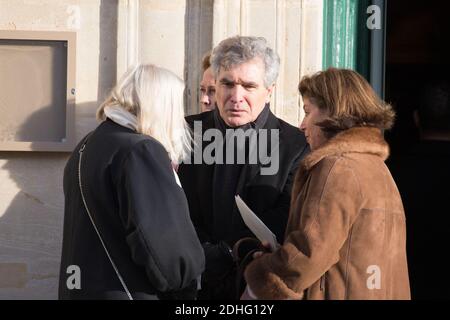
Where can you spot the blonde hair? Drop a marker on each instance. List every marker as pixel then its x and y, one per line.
pixel 155 96
pixel 348 99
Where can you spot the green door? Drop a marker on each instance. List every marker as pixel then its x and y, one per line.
pixel 349 43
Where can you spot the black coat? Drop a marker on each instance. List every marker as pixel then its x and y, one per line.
pixel 141 213
pixel 267 195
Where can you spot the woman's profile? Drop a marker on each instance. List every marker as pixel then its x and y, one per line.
pixel 346 234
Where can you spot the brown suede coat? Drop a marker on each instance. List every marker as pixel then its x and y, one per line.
pixel 346 235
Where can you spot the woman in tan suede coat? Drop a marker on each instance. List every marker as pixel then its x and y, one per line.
pixel 346 235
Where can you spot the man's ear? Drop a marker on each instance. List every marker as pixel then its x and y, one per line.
pixel 270 91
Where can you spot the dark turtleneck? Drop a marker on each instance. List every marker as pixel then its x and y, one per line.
pixel 226 177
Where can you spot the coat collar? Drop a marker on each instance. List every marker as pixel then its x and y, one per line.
pixel 208 122
pixel 367 140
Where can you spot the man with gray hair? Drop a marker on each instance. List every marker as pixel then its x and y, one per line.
pixel 245 70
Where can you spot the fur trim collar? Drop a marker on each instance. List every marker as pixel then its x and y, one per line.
pixel 355 140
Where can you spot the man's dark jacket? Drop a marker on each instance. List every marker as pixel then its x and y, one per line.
pixel 266 195
pixel 141 213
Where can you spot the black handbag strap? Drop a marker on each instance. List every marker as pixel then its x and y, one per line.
pixel 92 220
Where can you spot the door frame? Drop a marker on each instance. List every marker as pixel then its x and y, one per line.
pixel 349 43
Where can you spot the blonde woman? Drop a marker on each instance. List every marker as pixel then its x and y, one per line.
pixel 346 234
pixel 126 224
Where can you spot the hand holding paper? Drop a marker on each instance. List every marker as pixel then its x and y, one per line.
pixel 261 231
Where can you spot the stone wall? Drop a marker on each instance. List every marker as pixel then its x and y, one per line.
pixel 171 33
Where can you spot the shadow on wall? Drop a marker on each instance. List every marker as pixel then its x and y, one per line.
pixel 31 218
pixel 31 192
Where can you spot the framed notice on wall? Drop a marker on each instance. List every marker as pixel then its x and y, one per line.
pixel 37 90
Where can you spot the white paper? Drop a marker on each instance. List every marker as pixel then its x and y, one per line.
pixel 256 225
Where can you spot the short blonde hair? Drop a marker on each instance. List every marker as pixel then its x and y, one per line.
pixel 155 96
pixel 348 99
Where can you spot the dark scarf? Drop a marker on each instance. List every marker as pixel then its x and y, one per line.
pixel 226 178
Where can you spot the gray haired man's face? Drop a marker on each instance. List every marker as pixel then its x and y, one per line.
pixel 241 94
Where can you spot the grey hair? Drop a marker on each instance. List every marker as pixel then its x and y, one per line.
pixel 237 50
